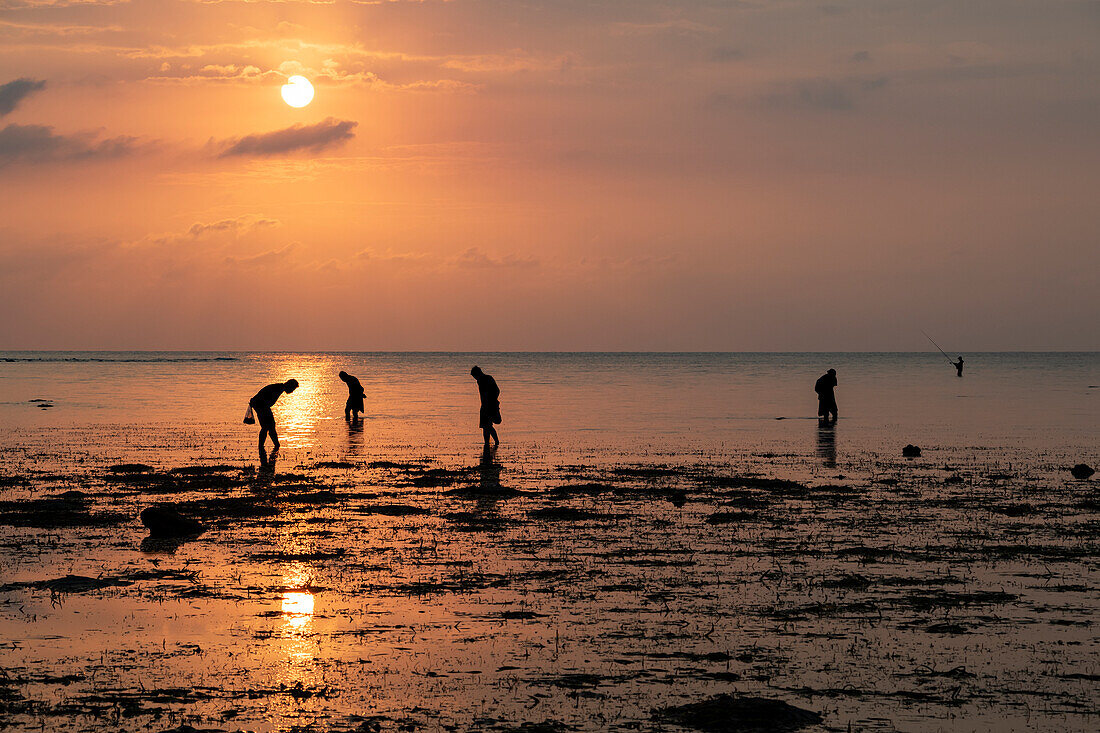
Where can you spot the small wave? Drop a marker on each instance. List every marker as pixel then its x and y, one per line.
pixel 101 359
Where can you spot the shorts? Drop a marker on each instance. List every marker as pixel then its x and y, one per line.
pixel 490 415
pixel 263 416
pixel 354 404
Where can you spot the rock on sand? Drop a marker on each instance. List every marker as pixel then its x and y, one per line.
pixel 736 714
pixel 1082 471
pixel 164 521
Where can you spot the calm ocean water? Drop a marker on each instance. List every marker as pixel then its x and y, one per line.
pixel 183 403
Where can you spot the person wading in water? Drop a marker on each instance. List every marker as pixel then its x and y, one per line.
pixel 826 399
pixel 490 404
pixel 354 405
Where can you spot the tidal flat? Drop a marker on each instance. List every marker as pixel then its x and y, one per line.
pixel 505 591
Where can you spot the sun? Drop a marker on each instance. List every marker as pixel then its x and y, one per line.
pixel 297 92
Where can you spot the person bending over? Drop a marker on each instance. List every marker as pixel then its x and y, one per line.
pixel 826 398
pixel 263 402
pixel 490 404
pixel 356 393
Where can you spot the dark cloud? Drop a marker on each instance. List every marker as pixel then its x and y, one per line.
pixel 14 92
pixel 723 54
pixel 40 144
pixel 314 138
pixel 823 94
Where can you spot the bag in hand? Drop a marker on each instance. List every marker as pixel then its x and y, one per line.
pixel 249 419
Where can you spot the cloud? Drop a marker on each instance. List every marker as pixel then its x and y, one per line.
pixel 723 54
pixel 822 94
pixel 262 259
pixel 238 225
pixel 314 138
pixel 14 92
pixel 40 144
pixel 678 26
pixel 474 257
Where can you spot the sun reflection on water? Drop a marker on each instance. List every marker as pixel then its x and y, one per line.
pixel 297 609
pixel 297 603
pixel 297 414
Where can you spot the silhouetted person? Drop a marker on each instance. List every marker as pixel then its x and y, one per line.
pixel 262 404
pixel 959 366
pixel 490 404
pixel 354 405
pixel 826 399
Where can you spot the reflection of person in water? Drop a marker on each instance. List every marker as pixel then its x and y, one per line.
pixel 266 474
pixel 826 443
pixel 263 402
pixel 354 405
pixel 490 404
pixel 959 366
pixel 489 470
pixel 826 399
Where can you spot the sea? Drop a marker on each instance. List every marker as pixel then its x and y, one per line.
pixel 142 405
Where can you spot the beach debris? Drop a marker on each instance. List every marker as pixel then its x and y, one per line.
pixel 564 514
pixel 730 517
pixel 546 726
pixel 393 510
pixel 735 714
pixel 1082 471
pixel 164 521
pixel 129 468
pixel 910 451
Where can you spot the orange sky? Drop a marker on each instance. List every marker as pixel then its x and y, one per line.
pixel 550 175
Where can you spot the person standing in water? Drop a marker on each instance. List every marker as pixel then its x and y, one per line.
pixel 826 399
pixel 263 402
pixel 490 404
pixel 959 366
pixel 354 405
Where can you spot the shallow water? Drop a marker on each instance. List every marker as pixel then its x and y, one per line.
pixel 955 591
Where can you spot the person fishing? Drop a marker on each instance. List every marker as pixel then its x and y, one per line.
pixel 957 364
pixel 356 394
pixel 262 403
pixel 490 404
pixel 826 399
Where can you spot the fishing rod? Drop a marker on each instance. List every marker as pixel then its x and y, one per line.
pixel 945 356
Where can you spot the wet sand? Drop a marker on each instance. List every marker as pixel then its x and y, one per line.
pixel 454 591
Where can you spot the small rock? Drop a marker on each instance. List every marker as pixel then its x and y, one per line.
pixel 164 521
pixel 1082 471
pixel 910 451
